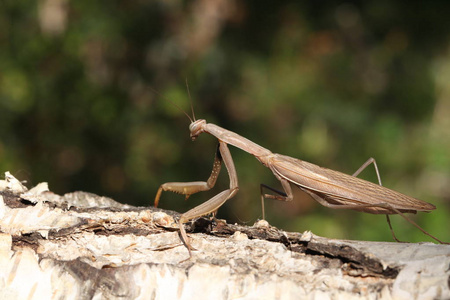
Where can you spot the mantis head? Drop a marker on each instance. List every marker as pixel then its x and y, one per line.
pixel 196 128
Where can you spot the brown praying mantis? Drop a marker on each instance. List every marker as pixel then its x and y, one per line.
pixel 330 188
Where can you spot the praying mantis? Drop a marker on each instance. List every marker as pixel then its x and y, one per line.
pixel 330 188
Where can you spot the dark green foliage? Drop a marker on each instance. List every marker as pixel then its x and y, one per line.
pixel 330 83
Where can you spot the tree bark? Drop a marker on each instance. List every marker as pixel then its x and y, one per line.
pixel 84 246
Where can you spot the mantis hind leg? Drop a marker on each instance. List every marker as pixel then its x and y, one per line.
pixel 392 230
pixel 363 167
pixel 372 161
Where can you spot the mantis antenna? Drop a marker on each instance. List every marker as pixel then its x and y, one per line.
pixel 190 100
pixel 173 103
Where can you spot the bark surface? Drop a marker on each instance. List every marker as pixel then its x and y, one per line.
pixel 84 246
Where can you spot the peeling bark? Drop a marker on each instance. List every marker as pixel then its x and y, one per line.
pixel 84 246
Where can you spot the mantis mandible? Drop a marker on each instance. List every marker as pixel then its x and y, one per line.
pixel 330 188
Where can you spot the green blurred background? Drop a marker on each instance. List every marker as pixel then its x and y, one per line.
pixel 329 82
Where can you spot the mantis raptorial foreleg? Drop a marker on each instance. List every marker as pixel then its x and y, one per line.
pixel 189 188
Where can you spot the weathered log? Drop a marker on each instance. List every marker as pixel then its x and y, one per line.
pixel 84 246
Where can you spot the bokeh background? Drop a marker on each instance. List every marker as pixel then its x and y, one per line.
pixel 329 82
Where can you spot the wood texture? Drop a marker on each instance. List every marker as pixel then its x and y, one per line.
pixel 84 246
